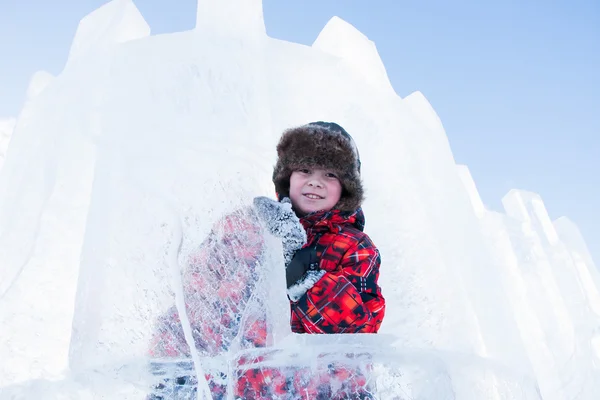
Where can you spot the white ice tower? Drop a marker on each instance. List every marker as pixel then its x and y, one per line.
pixel 44 197
pixel 183 127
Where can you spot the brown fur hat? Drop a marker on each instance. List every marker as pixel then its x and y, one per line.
pixel 325 145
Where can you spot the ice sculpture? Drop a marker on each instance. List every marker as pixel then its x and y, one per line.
pixel 44 198
pixel 118 21
pixel 342 40
pixel 167 134
pixel 234 18
pixel 535 275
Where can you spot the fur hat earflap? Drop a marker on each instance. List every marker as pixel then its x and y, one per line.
pixel 324 145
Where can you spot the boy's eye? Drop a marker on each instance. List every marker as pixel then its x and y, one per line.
pixel 331 175
pixel 304 171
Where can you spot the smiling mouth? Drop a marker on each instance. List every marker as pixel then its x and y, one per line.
pixel 312 196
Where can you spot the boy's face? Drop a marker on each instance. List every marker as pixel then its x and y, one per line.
pixel 314 189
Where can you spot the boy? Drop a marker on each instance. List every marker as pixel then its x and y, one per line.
pixel 332 280
pixel 332 269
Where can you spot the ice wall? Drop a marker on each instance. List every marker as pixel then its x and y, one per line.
pixel 167 133
pixel 558 278
pixel 182 142
pixel 469 183
pixel 118 21
pixel 342 40
pixel 7 126
pixel 570 235
pixel 44 197
pixel 538 272
pixel 233 18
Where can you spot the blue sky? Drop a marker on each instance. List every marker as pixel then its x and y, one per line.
pixel 515 83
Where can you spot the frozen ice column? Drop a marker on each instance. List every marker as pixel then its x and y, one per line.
pixel 46 183
pixel 571 236
pixel 529 207
pixel 558 284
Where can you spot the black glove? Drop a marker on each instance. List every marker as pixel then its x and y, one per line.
pixel 303 261
pixel 281 221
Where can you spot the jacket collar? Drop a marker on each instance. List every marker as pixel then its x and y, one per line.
pixel 333 220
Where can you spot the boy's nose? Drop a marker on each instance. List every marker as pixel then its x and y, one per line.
pixel 315 182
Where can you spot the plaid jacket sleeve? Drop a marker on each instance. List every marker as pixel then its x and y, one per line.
pixel 347 300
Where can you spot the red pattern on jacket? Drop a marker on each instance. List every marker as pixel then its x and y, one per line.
pixel 347 299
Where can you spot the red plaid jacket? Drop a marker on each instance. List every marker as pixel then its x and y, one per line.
pixel 347 299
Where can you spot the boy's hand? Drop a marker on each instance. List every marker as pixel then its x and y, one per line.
pixel 281 221
pixel 304 260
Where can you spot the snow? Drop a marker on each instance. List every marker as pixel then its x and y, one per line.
pixel 103 207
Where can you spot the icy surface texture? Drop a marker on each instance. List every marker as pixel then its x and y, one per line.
pixel 234 18
pixel 38 83
pixel 118 21
pixel 336 367
pixel 7 126
pixel 167 170
pixel 571 236
pixel 560 283
pixel 356 366
pixel 45 190
pixel 127 229
pixel 553 293
pixel 467 179
pixel 341 39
